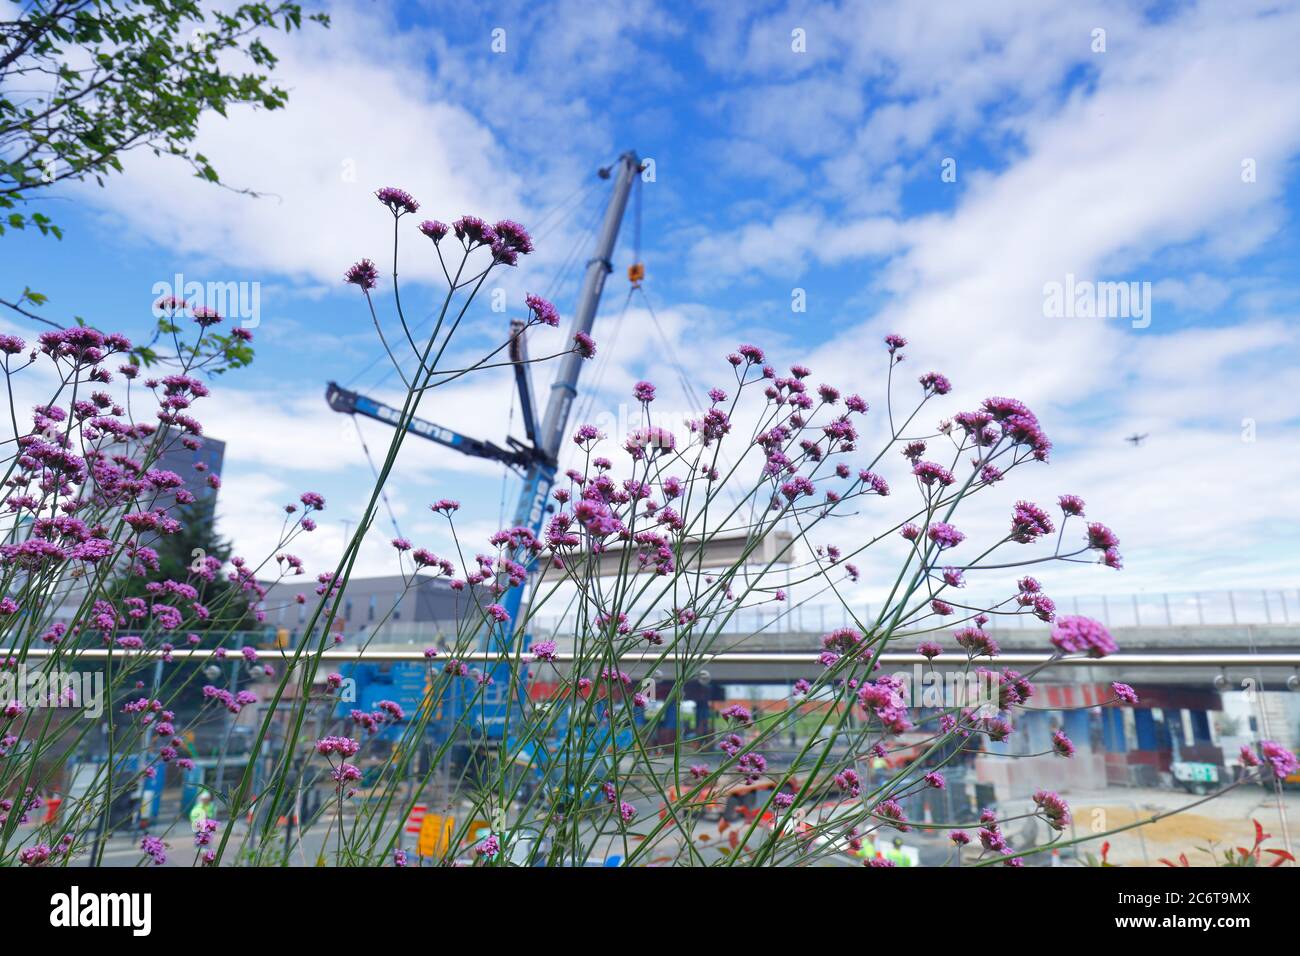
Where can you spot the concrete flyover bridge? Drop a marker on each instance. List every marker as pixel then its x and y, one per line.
pixel 1225 637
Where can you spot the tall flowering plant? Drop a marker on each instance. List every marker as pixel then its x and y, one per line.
pixel 86 620
pixel 585 754
pixel 771 452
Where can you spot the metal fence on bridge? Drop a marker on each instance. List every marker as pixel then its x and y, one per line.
pixel 1153 609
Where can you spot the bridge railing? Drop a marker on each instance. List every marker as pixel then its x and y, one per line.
pixel 1152 609
pixel 785 625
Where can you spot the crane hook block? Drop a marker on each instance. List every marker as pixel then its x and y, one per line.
pixel 635 273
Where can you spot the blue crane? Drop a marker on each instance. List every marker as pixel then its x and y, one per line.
pixel 536 459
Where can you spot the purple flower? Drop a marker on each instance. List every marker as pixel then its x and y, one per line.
pixel 205 316
pixel 544 651
pixel 473 231
pixel 1101 538
pixel 847 780
pixel 936 383
pixel 1062 744
pixel 343 746
pixel 155 849
pixel 1071 505
pixel 1075 634
pixel 542 310
pixel 1283 761
pixel 1056 810
pixel 927 472
pixel 1029 522
pixel 891 810
pixel 34 855
pixel 1124 692
pixel 585 344
pixel 739 714
pixel 514 236
pixel 434 229
pixel 203 835
pixel 945 535
pixel 363 274
pixel 976 642
pixel 397 200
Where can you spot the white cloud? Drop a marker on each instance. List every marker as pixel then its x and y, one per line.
pixel 1144 162
pixel 1136 171
pixel 363 113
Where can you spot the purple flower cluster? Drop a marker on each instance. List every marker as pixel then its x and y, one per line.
pixel 1075 634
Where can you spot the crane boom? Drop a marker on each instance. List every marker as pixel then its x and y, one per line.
pixel 537 459
pixel 353 403
pixel 530 511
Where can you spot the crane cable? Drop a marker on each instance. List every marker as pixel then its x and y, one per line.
pixel 598 377
pixel 573 207
pixel 692 397
pixel 383 491
pixel 505 472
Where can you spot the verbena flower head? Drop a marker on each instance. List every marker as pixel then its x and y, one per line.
pixel 434 229
pixel 1029 522
pixel 363 275
pixel 541 310
pixel 945 535
pixel 1071 505
pixel 399 201
pixel 1075 634
pixel 1124 692
pixel 473 231
pixel 513 236
pixel 1281 760
pixel 935 384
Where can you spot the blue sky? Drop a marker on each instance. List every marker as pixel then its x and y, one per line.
pixel 775 170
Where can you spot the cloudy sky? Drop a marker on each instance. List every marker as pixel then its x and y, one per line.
pixel 920 168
